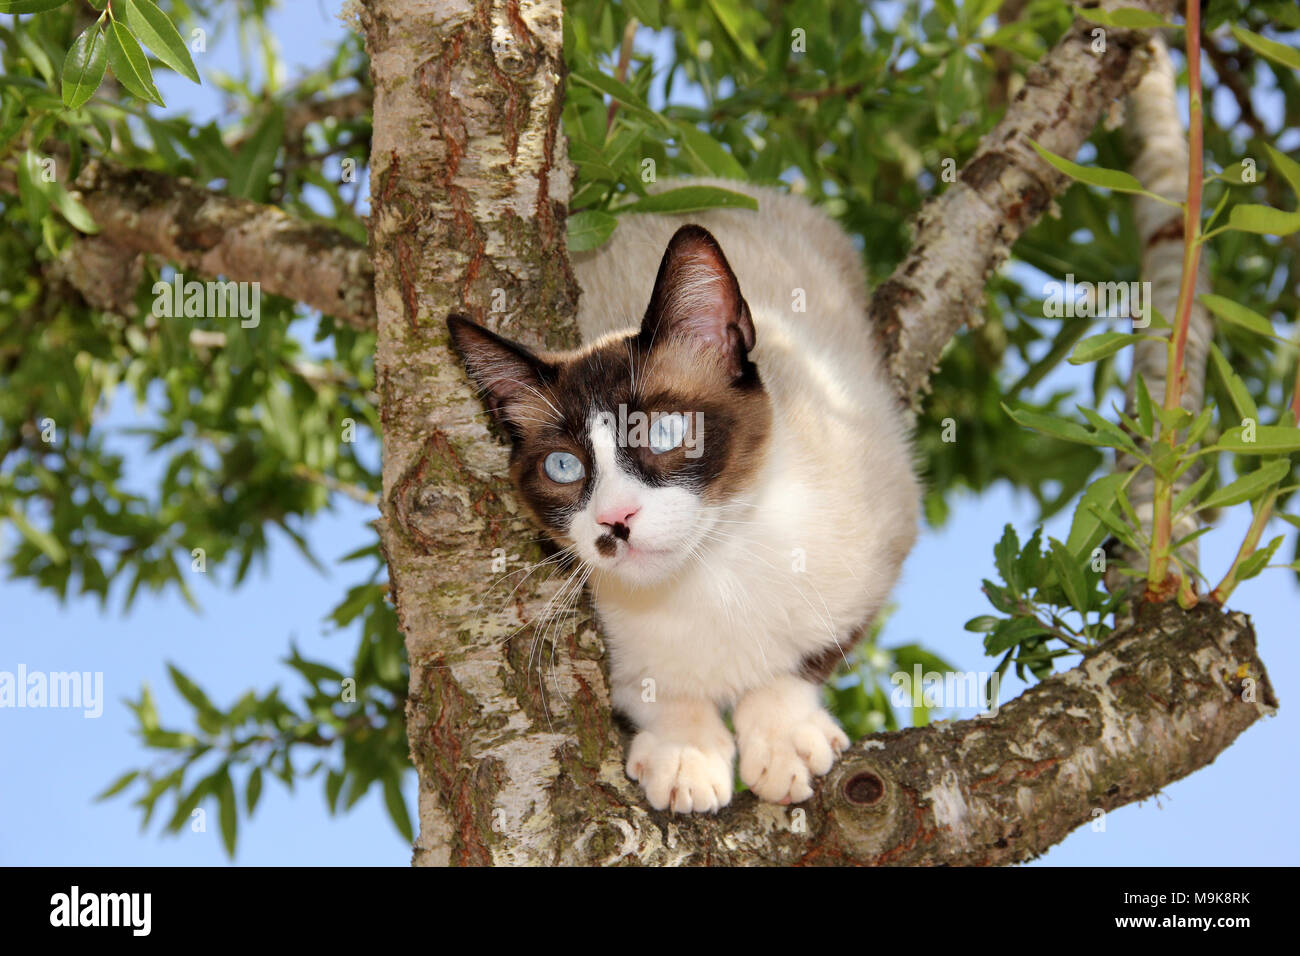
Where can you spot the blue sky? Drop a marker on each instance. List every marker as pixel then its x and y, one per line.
pixel 55 761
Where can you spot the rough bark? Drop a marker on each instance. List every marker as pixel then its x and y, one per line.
pixel 469 182
pixel 1158 701
pixel 520 762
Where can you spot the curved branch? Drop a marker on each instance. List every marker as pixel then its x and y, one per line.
pixel 1159 700
pixel 211 234
pixel 966 233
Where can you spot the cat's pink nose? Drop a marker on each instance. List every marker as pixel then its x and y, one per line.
pixel 618 515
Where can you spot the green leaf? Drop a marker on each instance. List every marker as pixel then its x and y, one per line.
pixel 254 791
pixel 1238 315
pixel 146 711
pixel 1265 220
pixel 1056 427
pixel 1069 572
pixel 1118 527
pixel 1004 558
pixel 1086 529
pixel 616 91
pixel 397 807
pixel 1099 346
pixel 1196 431
pixel 333 784
pixel 709 154
pixel 1115 179
pixel 186 805
pixel 690 199
pixel 31 191
pixel 728 13
pixel 1189 538
pixel 952 89
pixel 1279 53
pixel 83 67
pixel 1126 17
pixel 256 158
pixel 191 691
pixel 1117 437
pixel 1029 566
pixel 229 812
pixel 40 59
pixel 72 210
pixel 1258 561
pixel 1011 632
pixel 1269 440
pixel 1145 420
pixel 128 63
pixel 159 34
pixel 46 542
pixel 313 671
pixel 590 229
pixel 999 597
pixel 1240 395
pixel 1249 486
pixel 646 11
pixel 1287 166
pixel 118 785
pixel 982 624
pixel 1193 490
pixel 29 6
pixel 169 740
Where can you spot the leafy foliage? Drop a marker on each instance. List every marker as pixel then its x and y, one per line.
pixel 868 109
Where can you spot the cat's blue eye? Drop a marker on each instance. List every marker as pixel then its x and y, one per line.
pixel 667 432
pixel 563 468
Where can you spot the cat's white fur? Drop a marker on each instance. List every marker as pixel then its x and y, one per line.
pixel 806 555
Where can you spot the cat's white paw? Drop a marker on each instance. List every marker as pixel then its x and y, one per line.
pixel 781 751
pixel 692 777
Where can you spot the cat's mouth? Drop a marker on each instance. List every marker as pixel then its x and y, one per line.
pixel 608 546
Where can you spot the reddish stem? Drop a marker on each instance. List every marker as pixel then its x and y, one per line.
pixel 1192 212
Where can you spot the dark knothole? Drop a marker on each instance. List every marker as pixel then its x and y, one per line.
pixel 864 789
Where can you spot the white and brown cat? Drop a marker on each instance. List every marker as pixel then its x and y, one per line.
pixel 736 471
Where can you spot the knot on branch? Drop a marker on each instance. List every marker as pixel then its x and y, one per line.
pixel 865 804
pixel 424 501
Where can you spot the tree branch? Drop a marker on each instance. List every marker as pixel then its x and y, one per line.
pixel 1158 701
pixel 966 233
pixel 210 234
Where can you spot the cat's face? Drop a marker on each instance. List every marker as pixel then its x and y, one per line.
pixel 629 450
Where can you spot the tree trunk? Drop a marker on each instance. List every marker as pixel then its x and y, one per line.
pixel 511 732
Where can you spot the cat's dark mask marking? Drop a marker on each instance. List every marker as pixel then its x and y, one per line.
pixel 691 354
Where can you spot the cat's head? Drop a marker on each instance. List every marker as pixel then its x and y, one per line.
pixel 630 448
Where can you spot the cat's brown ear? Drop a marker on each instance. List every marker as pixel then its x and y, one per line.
pixel 510 378
pixel 696 295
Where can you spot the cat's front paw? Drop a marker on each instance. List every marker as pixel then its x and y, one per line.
pixel 684 777
pixel 781 752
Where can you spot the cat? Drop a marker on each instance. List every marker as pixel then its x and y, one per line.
pixel 731 462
